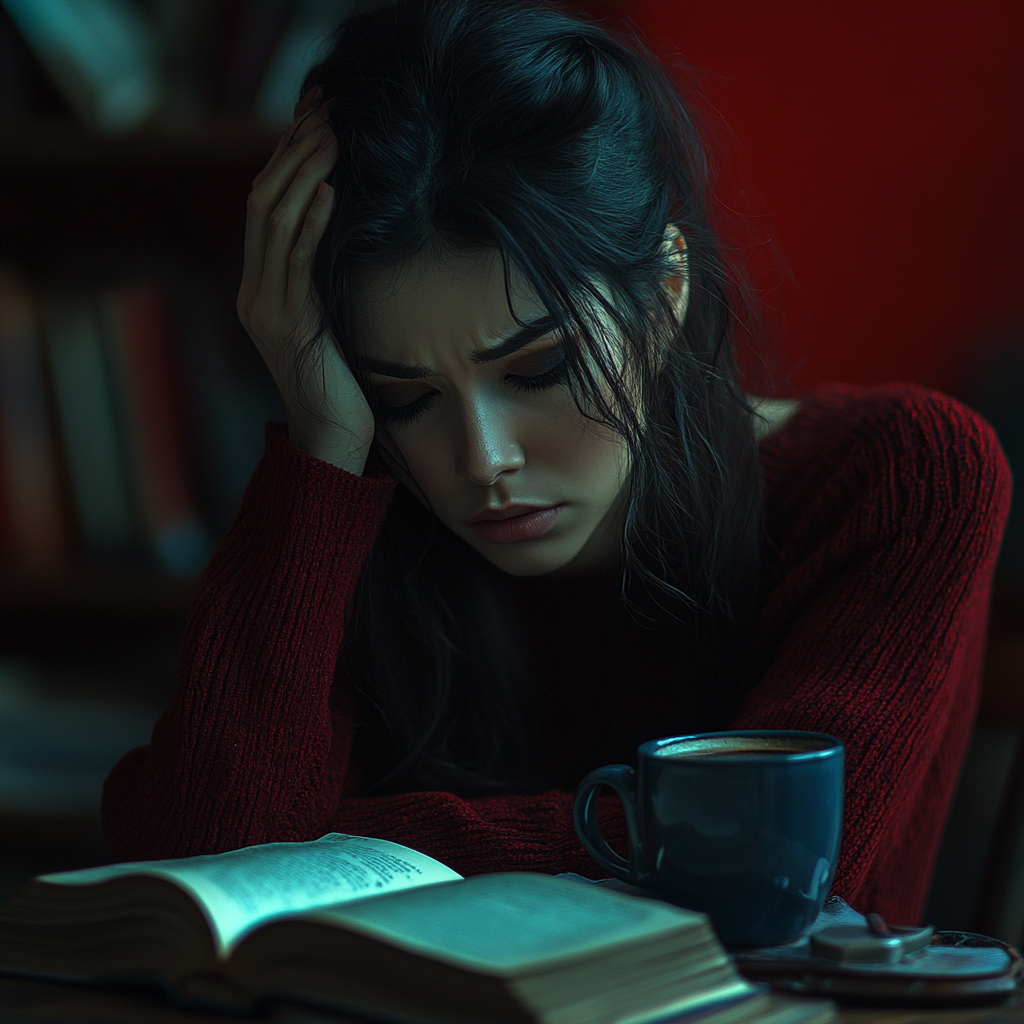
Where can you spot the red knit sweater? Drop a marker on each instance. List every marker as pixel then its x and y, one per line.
pixel 885 508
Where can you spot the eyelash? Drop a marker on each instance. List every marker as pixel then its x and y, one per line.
pixel 403 414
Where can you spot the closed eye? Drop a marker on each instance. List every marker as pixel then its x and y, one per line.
pixel 550 370
pixel 539 371
pixel 402 413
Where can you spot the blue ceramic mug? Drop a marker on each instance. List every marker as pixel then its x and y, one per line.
pixel 744 826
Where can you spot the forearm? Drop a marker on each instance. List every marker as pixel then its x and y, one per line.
pixel 250 749
pixel 482 834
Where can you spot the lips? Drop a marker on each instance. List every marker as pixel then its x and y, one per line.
pixel 514 523
pixel 506 512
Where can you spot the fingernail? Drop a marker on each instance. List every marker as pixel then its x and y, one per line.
pixel 326 140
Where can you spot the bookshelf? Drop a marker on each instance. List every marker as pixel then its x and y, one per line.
pixel 153 212
pixel 162 193
pixel 81 633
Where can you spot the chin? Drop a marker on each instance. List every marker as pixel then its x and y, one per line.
pixel 520 560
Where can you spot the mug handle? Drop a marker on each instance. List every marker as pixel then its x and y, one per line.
pixel 622 779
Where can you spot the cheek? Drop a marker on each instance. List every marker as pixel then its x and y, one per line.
pixel 589 452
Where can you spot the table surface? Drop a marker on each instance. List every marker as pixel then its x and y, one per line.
pixel 36 1002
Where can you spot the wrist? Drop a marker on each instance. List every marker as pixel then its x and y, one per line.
pixel 334 445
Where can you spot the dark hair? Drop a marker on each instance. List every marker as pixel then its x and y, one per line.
pixel 513 124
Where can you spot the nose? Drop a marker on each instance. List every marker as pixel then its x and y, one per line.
pixel 488 447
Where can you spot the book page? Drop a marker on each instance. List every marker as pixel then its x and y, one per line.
pixel 243 888
pixel 511 922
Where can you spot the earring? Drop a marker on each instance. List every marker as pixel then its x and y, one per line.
pixel 674 237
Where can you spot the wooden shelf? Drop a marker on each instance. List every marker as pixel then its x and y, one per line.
pixel 64 189
pixel 69 145
pixel 95 593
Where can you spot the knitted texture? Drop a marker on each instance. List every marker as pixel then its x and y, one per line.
pixel 884 512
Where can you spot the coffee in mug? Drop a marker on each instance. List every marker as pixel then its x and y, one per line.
pixel 744 826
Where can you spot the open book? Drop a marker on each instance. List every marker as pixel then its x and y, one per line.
pixel 385 932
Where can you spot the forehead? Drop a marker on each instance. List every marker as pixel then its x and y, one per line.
pixel 441 299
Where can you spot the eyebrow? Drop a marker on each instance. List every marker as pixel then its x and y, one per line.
pixel 527 333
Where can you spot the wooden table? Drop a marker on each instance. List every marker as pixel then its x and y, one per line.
pixel 37 1002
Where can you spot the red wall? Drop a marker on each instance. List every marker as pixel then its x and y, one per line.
pixel 884 139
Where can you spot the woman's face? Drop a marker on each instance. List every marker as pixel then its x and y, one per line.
pixel 477 407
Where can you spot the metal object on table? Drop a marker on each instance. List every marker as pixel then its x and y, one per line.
pixel 875 942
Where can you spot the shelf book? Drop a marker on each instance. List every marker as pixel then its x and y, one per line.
pixel 83 397
pixel 112 361
pixel 137 327
pixel 127 423
pixel 384 932
pixel 34 526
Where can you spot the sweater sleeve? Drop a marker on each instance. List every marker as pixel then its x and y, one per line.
pixel 250 749
pixel 875 630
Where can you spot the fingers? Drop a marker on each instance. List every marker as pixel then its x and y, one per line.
pixel 303 125
pixel 263 201
pixel 301 259
pixel 308 101
pixel 288 218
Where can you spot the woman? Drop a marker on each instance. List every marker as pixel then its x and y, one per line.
pixel 522 517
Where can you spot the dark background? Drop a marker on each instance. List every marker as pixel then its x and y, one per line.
pixel 881 148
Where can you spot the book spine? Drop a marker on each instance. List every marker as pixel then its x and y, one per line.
pixel 85 411
pixel 122 407
pixel 142 336
pixel 184 29
pixel 35 526
pixel 256 36
pixel 230 401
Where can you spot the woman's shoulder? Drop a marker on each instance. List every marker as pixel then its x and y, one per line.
pixel 907 450
pixel 888 422
pixel 771 414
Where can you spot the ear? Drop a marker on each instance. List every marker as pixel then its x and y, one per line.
pixel 678 284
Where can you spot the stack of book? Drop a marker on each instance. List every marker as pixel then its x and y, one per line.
pixel 125 433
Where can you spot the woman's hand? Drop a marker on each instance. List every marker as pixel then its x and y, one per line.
pixel 288 211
